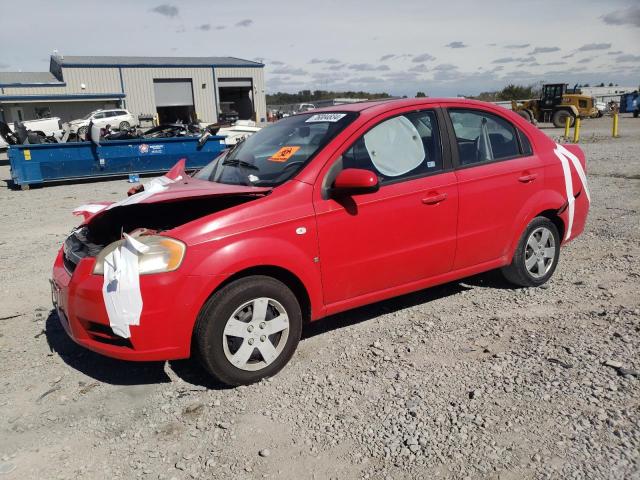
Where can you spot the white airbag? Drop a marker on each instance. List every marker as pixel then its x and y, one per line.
pixel 395 146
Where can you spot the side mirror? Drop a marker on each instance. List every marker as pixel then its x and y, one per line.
pixel 353 181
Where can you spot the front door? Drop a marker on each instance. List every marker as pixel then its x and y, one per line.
pixel 404 232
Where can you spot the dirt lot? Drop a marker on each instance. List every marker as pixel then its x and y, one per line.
pixel 468 380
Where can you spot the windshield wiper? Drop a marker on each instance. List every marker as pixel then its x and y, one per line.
pixel 234 162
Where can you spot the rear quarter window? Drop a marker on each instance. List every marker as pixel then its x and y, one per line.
pixel 525 145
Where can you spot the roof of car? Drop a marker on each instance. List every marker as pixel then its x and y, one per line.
pixel 385 104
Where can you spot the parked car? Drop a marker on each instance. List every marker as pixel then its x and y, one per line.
pixel 305 107
pixel 119 119
pixel 45 127
pixel 315 214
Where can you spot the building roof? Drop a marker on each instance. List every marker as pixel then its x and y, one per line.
pixel 28 78
pixel 116 61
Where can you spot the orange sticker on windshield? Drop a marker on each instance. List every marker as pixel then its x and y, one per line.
pixel 284 154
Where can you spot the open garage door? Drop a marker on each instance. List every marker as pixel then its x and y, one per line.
pixel 174 100
pixel 236 96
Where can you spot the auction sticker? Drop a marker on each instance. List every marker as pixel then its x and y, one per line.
pixel 143 148
pixel 284 154
pixel 326 117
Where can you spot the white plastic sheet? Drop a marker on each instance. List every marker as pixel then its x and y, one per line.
pixel 565 156
pixel 121 286
pixel 395 146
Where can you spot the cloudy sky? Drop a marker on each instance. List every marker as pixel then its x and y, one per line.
pixel 442 48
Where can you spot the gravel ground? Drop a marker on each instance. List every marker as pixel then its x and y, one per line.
pixel 467 380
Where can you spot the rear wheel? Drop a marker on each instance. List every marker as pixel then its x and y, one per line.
pixel 559 118
pixel 248 330
pixel 536 256
pixel 124 126
pixel 82 131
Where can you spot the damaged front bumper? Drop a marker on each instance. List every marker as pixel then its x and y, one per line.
pixel 171 304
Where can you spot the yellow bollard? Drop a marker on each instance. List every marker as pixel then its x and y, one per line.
pixel 567 126
pixel 576 131
pixel 614 131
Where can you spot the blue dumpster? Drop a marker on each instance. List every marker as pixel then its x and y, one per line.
pixel 34 164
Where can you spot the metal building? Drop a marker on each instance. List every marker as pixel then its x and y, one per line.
pixel 173 88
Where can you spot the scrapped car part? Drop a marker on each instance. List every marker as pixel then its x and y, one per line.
pixel 284 228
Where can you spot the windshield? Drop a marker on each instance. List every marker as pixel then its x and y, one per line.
pixel 89 115
pixel 277 152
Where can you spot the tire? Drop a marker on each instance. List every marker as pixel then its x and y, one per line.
pixel 559 118
pixel 636 113
pixel 124 126
pixel 227 310
pixel 525 268
pixel 526 115
pixel 82 131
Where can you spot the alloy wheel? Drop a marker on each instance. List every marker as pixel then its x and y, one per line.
pixel 255 334
pixel 540 252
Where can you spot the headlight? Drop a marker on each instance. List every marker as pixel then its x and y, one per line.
pixel 164 255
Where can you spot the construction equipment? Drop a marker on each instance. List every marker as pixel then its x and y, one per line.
pixel 556 103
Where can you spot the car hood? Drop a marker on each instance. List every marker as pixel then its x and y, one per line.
pixel 184 189
pixel 177 203
pixel 196 188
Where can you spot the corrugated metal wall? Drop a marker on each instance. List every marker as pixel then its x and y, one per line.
pixel 138 85
pixel 257 74
pixel 96 80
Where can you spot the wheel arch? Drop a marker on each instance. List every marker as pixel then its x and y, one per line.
pixel 287 277
pixel 546 204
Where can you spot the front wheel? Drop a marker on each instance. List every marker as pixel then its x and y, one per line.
pixel 536 256
pixel 559 118
pixel 248 330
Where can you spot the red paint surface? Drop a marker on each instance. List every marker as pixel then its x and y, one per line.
pixel 405 236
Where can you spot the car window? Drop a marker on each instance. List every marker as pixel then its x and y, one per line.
pixel 399 147
pixel 277 152
pixel 483 137
pixel 120 112
pixel 525 144
pixel 99 115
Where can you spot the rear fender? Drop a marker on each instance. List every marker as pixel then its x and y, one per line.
pixel 546 200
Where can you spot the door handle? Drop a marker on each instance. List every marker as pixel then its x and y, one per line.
pixel 434 199
pixel 528 178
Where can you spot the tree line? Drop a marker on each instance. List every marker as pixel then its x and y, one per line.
pixel 308 96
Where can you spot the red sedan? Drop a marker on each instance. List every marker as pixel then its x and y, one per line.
pixel 318 213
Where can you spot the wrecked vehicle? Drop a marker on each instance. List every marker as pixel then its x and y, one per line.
pixel 318 213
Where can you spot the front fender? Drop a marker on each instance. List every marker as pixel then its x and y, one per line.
pixel 298 258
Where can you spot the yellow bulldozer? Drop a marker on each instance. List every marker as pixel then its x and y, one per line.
pixel 555 105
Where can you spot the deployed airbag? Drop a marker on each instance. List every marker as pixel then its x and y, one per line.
pixel 395 146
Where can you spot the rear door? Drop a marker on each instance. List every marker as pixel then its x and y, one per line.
pixel 497 174
pixel 404 232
